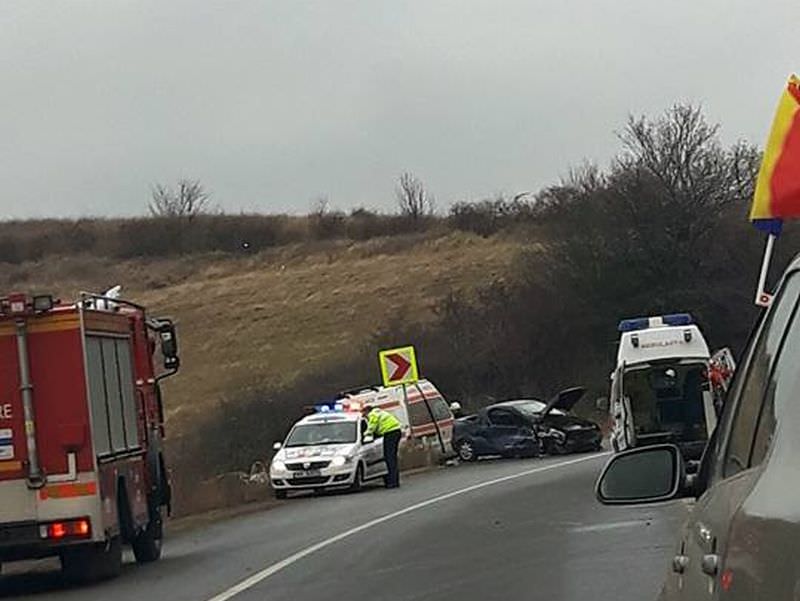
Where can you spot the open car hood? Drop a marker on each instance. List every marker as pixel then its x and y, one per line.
pixel 565 400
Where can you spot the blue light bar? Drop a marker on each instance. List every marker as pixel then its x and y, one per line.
pixel 631 325
pixel 643 323
pixel 678 319
pixel 328 407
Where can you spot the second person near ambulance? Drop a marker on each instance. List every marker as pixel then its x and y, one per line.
pixel 383 424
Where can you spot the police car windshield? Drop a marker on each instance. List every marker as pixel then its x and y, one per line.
pixel 306 435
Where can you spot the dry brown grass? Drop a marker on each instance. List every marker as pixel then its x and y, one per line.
pixel 264 327
pixel 262 322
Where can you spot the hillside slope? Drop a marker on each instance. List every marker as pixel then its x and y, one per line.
pixel 263 322
pixel 267 325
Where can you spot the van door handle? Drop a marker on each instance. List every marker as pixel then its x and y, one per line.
pixel 707 540
pixel 680 563
pixel 710 564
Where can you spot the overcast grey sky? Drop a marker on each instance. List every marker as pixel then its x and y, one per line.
pixel 271 104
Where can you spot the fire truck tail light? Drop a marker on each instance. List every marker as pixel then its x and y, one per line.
pixel 57 530
pixel 80 528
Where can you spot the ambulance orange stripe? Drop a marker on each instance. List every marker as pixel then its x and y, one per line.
pixel 66 491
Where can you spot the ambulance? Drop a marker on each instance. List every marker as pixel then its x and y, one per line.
pixel 420 407
pixel 660 390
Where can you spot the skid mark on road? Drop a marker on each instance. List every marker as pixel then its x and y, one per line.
pixel 273 569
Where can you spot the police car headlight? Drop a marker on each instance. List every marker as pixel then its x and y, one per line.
pixel 339 460
pixel 279 466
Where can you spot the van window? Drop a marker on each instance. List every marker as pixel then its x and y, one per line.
pixel 440 409
pixel 418 414
pixel 754 382
pixel 781 391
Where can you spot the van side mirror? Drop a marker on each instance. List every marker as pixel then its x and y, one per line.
pixel 602 404
pixel 643 475
pixel 276 446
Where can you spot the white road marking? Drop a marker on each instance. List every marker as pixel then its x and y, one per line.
pixel 292 559
pixel 611 526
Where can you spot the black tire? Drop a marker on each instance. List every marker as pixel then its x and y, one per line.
pixel 279 493
pixel 466 450
pixel 358 479
pixel 91 563
pixel 147 545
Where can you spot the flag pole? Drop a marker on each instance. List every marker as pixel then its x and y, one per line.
pixel 763 298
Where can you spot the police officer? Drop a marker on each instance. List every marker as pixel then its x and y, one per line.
pixel 383 424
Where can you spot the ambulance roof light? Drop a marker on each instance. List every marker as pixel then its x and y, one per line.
pixel 678 319
pixel 643 323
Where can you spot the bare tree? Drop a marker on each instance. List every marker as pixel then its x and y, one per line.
pixel 187 200
pixel 413 199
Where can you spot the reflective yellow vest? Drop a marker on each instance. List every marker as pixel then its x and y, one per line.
pixel 380 422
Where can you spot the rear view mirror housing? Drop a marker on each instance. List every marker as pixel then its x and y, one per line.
pixel 368 438
pixel 276 446
pixel 169 344
pixel 652 474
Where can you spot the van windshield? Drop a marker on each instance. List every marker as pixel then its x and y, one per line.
pixel 668 399
pixel 306 435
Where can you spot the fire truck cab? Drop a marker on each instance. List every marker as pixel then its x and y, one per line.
pixel 82 469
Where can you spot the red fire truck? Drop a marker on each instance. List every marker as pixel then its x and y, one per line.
pixel 81 428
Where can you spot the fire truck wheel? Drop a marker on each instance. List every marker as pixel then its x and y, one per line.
pixel 93 562
pixel 147 545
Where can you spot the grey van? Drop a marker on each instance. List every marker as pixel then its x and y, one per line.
pixel 740 541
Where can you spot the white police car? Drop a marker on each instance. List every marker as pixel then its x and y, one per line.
pixel 326 450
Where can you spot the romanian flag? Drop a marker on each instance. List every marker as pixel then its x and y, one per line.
pixel 777 195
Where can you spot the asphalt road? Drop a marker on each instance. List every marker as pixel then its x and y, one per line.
pixel 513 529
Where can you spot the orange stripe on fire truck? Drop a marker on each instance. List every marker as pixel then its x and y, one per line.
pixel 66 491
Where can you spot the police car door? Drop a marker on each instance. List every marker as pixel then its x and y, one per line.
pixel 372 452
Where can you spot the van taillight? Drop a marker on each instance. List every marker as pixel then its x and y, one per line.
pixel 80 528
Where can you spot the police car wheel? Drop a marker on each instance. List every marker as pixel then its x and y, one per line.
pixel 465 450
pixel 358 479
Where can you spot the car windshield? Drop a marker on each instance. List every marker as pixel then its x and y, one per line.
pixel 306 435
pixel 535 408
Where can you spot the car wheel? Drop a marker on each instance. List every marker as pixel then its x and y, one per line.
pixel 556 448
pixel 358 479
pixel 466 451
